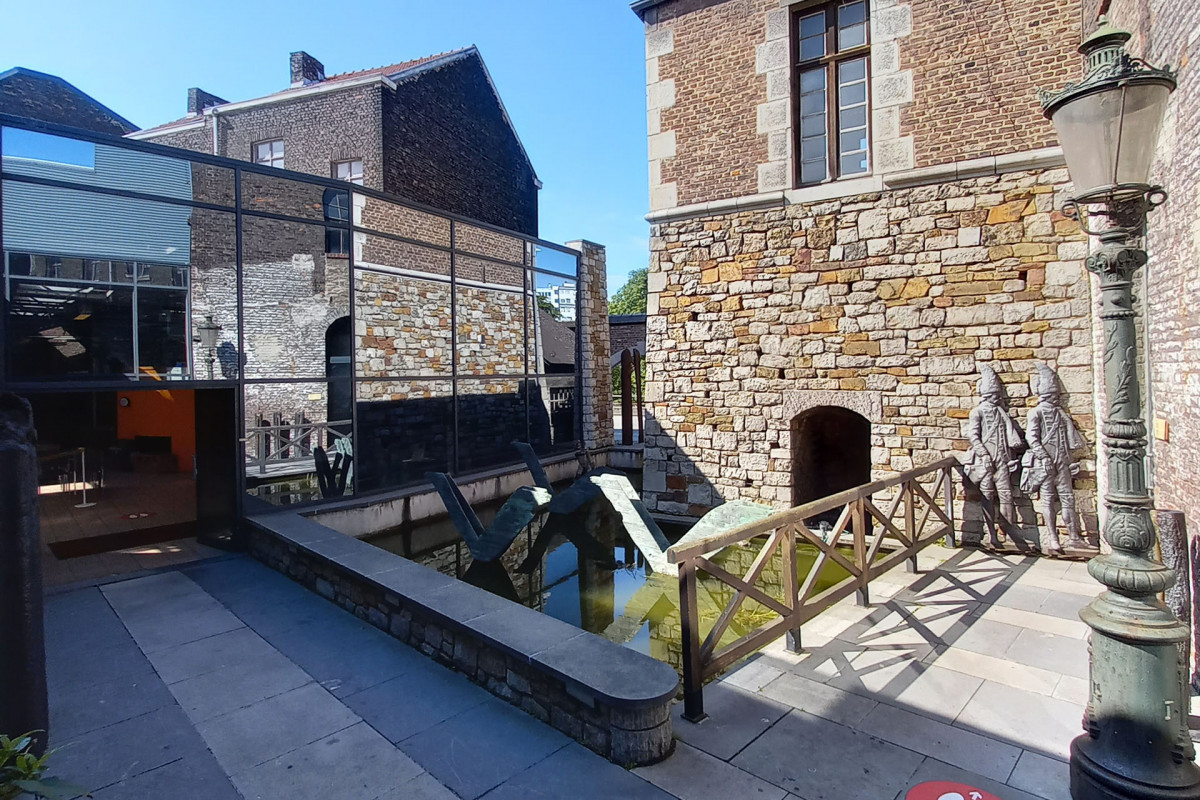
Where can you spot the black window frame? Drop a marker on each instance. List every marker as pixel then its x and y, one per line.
pixel 829 61
pixel 335 204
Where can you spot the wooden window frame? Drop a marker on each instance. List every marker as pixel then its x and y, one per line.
pixel 270 163
pixel 361 170
pixel 830 62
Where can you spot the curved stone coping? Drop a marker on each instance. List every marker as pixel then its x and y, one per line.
pixel 593 669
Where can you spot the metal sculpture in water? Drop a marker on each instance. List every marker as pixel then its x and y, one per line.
pixel 490 543
pixel 332 479
pixel 996 443
pixel 1049 464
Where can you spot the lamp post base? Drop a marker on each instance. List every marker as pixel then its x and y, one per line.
pixel 1092 781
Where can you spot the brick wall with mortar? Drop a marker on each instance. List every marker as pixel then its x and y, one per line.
pixel 1168 33
pixel 883 303
pixel 719 89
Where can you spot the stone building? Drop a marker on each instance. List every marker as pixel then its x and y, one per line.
pixel 853 205
pixel 432 130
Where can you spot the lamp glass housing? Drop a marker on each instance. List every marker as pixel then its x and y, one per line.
pixel 208 333
pixel 1109 135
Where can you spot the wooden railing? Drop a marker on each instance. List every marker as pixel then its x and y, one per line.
pixel 866 541
pixel 284 443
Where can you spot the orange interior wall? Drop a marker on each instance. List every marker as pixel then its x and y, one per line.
pixel 161 413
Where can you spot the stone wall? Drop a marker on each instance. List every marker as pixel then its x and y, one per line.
pixel 881 303
pixel 592 317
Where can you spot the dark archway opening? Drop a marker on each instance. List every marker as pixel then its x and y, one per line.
pixel 831 452
pixel 339 370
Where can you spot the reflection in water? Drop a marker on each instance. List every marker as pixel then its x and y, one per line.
pixel 622 600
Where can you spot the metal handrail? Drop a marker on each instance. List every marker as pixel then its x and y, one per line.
pixel 878 537
pixel 272 440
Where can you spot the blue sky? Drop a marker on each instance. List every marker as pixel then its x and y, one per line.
pixel 571 72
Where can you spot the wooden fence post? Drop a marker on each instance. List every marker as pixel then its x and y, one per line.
pixel 951 538
pixel 791 597
pixel 859 525
pixel 693 669
pixel 910 524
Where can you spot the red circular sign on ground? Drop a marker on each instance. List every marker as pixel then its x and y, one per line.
pixel 947 790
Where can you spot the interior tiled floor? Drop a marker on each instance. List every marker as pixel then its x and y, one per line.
pixel 225 679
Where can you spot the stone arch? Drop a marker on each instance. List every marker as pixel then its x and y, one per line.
pixel 831 452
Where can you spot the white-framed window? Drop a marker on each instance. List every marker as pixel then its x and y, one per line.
pixel 270 153
pixel 351 171
pixel 830 53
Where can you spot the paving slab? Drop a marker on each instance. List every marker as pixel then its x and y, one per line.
pixel 356 762
pixel 823 700
pixel 407 705
pixel 482 747
pixel 187 778
pixel 1045 777
pixel 821 760
pixel 208 655
pixel 735 718
pixel 237 686
pixel 1062 654
pixel 1033 721
pixel 79 709
pixel 692 774
pixel 934 770
pixel 577 773
pixel 249 736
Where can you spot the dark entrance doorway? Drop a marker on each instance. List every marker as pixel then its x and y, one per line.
pixel 339 349
pixel 831 452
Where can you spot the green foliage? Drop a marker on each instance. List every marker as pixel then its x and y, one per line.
pixel 545 305
pixel 630 298
pixel 22 770
pixel 616 381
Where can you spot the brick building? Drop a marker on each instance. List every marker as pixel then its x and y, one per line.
pixel 853 206
pixel 28 93
pixel 433 130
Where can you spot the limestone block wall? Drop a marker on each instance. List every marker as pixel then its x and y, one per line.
pixel 592 315
pixel 882 303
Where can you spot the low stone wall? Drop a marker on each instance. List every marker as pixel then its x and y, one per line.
pixel 609 698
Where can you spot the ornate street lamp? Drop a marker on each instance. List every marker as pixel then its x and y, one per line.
pixel 208 340
pixel 1136 743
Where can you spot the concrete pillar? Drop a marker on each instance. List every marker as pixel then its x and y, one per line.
pixel 22 640
pixel 592 316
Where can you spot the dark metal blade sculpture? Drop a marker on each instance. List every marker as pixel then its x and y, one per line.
pixel 488 544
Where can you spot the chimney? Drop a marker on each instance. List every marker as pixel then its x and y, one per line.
pixel 198 100
pixel 306 69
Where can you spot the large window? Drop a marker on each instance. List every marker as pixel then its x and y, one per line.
pixel 336 204
pixel 830 50
pixel 269 154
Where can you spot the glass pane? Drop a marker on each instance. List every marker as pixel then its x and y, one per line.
pixel 293 292
pixel 163 344
pixel 812 125
pixel 489 325
pixel 812 25
pixel 813 47
pixel 853 94
pixel 852 13
pixel 406 429
pixel 852 36
pixel 277 195
pixel 812 104
pixel 853 70
pixel 813 149
pixel 285 424
pixel 491 415
pixel 552 414
pixel 558 297
pixel 854 117
pixel 483 242
pixel 812 80
pixel 812 171
pixel 468 269
pixel 71 160
pixel 853 140
pixel 214 295
pixel 551 260
pixel 70 330
pixel 854 164
pixel 397 220
pixel 373 250
pixel 72 222
pixel 404 325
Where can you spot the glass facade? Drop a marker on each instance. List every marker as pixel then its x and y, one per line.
pixel 350 322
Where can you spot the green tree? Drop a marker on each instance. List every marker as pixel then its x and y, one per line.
pixel 630 298
pixel 545 305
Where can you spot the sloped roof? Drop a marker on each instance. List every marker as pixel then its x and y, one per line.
pixel 72 106
pixel 558 340
pixel 402 71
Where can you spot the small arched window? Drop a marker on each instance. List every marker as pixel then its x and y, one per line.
pixel 337 209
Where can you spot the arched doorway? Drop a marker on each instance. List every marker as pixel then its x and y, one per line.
pixel 831 452
pixel 338 371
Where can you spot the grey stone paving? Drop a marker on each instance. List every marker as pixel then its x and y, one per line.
pixel 226 680
pixel 973 671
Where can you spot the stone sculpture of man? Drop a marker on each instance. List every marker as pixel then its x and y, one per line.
pixel 1050 462
pixel 995 444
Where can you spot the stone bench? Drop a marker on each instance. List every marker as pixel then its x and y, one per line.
pixel 609 698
